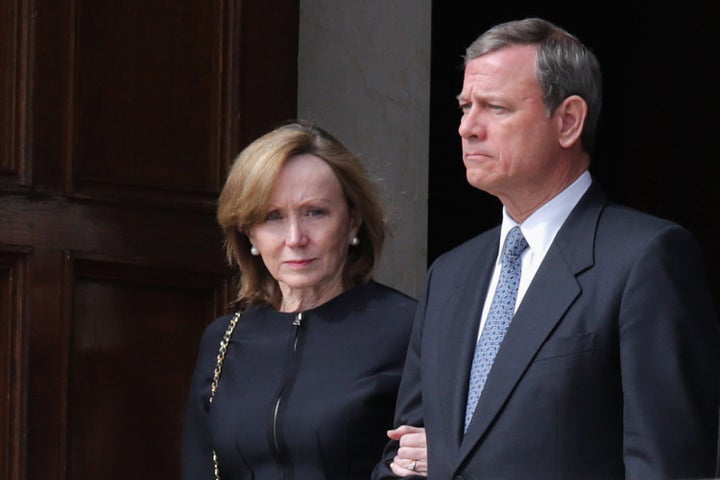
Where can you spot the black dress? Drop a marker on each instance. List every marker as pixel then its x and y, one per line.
pixel 304 397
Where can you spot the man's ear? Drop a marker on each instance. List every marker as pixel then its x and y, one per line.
pixel 571 115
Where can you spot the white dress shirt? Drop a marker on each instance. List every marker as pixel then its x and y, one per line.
pixel 539 229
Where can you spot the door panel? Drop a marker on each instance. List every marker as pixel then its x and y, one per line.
pixel 13 287
pixel 131 341
pixel 13 97
pixel 148 100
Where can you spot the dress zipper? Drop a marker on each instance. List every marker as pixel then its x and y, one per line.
pixel 289 377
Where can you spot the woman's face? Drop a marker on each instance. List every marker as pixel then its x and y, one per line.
pixel 306 233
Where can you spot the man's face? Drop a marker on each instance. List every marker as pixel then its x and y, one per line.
pixel 509 141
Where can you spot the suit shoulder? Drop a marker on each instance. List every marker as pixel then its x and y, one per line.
pixel 625 222
pixel 464 256
pixel 624 213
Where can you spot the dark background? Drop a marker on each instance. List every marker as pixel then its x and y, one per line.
pixel 657 145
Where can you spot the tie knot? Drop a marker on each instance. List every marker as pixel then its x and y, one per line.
pixel 515 243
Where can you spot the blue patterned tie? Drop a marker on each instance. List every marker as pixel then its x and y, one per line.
pixel 501 312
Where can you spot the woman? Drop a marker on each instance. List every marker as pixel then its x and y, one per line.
pixel 307 384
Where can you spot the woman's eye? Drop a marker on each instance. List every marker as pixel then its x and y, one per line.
pixel 272 216
pixel 316 212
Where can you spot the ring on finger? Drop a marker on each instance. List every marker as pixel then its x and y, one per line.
pixel 412 465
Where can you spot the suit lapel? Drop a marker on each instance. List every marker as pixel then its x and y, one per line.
pixel 462 309
pixel 550 294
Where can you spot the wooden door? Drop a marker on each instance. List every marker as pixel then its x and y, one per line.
pixel 118 120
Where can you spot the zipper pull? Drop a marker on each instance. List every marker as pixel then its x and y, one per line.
pixel 298 319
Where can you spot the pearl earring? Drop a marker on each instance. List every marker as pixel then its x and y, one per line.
pixel 355 241
pixel 254 251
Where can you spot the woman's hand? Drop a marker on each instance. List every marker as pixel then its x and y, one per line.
pixel 411 458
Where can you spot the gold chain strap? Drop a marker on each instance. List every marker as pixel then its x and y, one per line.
pixel 216 375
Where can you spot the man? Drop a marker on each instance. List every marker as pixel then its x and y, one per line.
pixel 610 365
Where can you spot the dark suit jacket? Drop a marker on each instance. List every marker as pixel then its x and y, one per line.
pixel 610 367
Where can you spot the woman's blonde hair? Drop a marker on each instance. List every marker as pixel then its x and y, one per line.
pixel 245 198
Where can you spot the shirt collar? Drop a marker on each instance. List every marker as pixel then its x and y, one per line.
pixel 541 227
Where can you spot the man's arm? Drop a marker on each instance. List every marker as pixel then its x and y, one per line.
pixel 670 360
pixel 408 407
